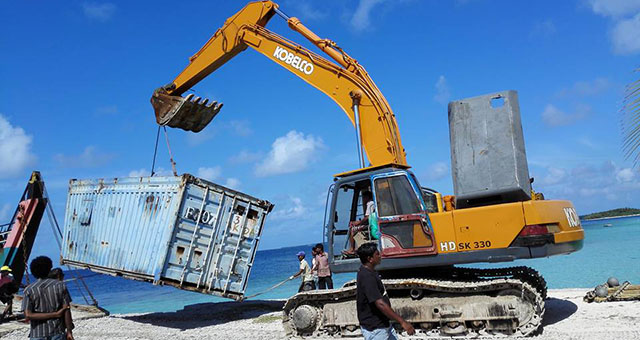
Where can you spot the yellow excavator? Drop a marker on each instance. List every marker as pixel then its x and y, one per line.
pixel 421 240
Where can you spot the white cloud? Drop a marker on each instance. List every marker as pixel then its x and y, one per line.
pixel 552 116
pixel 15 149
pixel 443 94
pixel 614 8
pixel 232 183
pixel 89 158
pixel 592 187
pixel 294 209
pixel 157 172
pixel 245 157
pixel 240 127
pixel 5 213
pixel 360 20
pixel 290 153
pixel 210 174
pixel 437 171
pixel 139 173
pixel 554 176
pixel 214 174
pixel 626 36
pixel 197 138
pixel 586 88
pixel 586 141
pixel 625 175
pixel 625 15
pixel 100 12
pixel 162 172
pixel 305 10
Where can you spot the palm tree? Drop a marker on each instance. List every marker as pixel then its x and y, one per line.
pixel 631 121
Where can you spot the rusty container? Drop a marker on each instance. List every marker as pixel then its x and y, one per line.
pixel 180 230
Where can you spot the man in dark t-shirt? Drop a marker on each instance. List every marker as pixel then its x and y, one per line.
pixel 372 301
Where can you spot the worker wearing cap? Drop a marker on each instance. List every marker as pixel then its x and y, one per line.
pixel 7 288
pixel 305 271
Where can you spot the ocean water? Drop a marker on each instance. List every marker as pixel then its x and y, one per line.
pixel 608 251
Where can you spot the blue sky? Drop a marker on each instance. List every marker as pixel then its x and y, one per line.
pixel 77 77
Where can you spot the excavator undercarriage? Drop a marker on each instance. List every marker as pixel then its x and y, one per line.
pixel 471 303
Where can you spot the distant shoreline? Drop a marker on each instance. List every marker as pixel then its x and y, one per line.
pixel 610 217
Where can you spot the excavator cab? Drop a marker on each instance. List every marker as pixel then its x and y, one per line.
pixel 403 225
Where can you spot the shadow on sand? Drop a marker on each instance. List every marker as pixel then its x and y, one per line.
pixel 209 314
pixel 557 310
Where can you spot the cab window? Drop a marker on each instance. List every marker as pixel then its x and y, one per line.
pixel 344 204
pixel 395 196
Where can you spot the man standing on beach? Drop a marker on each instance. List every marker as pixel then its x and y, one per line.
pixel 305 271
pixel 321 266
pixel 372 302
pixel 46 304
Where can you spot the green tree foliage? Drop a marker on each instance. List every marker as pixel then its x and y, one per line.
pixel 631 121
pixel 611 213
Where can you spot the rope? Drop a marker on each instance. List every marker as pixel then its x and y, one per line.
pixel 84 277
pixel 268 290
pixel 24 247
pixel 173 164
pixel 155 152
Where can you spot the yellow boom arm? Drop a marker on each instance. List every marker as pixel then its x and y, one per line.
pixel 345 81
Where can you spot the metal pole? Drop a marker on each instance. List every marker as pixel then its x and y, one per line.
pixel 358 133
pixel 193 235
pixel 281 13
pixel 214 232
pixel 235 252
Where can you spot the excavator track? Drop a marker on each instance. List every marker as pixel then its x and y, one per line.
pixel 451 273
pixel 523 273
pixel 435 308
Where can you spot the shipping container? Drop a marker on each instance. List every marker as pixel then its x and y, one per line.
pixel 180 230
pixel 488 158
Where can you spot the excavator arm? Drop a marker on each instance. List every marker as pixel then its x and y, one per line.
pixel 343 80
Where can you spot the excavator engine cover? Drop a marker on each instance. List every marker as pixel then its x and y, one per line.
pixel 188 113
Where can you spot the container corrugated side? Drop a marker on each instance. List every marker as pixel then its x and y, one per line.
pixel 182 231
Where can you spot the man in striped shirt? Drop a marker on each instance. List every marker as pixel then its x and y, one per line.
pixel 46 304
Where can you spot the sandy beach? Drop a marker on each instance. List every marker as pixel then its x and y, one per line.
pixel 567 317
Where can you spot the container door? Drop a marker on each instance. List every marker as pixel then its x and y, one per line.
pixel 215 240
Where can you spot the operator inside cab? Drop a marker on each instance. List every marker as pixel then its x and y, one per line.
pixel 364 225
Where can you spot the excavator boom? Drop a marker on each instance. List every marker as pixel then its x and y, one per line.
pixel 343 80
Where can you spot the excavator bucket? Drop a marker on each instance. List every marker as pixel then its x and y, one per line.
pixel 189 113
